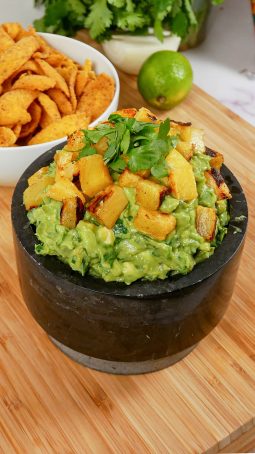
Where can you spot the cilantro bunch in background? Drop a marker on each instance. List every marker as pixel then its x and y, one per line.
pixel 106 17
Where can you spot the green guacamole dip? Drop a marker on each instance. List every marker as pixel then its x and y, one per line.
pixel 122 253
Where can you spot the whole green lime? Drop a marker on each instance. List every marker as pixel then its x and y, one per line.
pixel 165 79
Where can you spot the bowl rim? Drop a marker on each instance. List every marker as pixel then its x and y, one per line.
pixel 53 268
pixel 54 142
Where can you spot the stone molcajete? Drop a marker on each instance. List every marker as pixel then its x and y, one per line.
pixel 124 329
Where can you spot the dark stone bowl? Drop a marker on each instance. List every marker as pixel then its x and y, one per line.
pixel 124 329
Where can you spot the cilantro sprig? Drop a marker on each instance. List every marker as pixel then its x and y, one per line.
pixel 134 144
pixel 104 17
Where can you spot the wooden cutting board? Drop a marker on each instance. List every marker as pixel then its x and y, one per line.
pixel 49 404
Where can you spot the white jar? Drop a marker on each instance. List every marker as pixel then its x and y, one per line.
pixel 128 52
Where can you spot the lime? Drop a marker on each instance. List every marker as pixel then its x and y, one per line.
pixel 165 79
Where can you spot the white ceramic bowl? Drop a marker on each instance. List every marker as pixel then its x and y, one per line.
pixel 14 160
pixel 128 53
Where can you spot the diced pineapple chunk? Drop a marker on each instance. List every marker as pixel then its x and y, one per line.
pixel 68 217
pixel 150 194
pixel 197 140
pixel 65 167
pixel 216 181
pixel 94 174
pixel 37 175
pixel 181 177
pixel 128 179
pixel 75 141
pixel 128 113
pixel 146 116
pixel 143 173
pixel 33 195
pixel 217 158
pixel 155 224
pixel 182 129
pixel 206 222
pixel 101 146
pixel 185 148
pixel 64 189
pixel 108 205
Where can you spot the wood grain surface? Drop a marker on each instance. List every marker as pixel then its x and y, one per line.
pixel 49 404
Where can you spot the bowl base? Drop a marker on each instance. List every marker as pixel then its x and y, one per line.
pixel 120 367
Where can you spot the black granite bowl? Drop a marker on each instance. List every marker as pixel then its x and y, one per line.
pixel 124 329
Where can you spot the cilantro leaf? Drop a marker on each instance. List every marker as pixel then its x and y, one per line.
pixel 99 18
pixel 118 165
pixel 146 156
pixel 164 129
pixel 86 151
pixel 160 170
pixel 180 24
pixel 124 144
pixel 110 153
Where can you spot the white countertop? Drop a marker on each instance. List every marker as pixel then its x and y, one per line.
pixel 218 63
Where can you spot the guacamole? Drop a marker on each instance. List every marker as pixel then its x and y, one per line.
pixel 124 253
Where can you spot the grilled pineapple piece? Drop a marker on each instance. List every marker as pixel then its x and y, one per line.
pixel 72 212
pixel 217 158
pixel 206 222
pixel 128 113
pixel 146 115
pixel 68 216
pixel 150 194
pixel 33 195
pixel 155 224
pixel 94 174
pixel 108 205
pixel 37 175
pixel 128 179
pixel 75 142
pixel 64 189
pixel 216 181
pixel 143 173
pixel 181 177
pixel 197 140
pixel 101 146
pixel 65 166
pixel 185 148
pixel 181 129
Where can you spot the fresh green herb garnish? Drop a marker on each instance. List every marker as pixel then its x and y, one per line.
pixel 145 144
pixel 105 17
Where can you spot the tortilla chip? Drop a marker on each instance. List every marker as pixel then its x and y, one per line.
pixel 15 56
pixel 5 40
pixel 35 112
pixel 61 128
pixel 42 55
pixel 12 28
pixel 25 33
pixel 34 82
pixel 16 129
pixel 97 96
pixel 87 66
pixel 1 89
pixel 14 105
pixel 63 103
pixel 56 59
pixel 81 80
pixel 72 81
pixel 53 74
pixel 7 137
pixel 49 106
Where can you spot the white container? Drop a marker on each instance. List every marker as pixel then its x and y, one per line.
pixel 14 160
pixel 128 53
